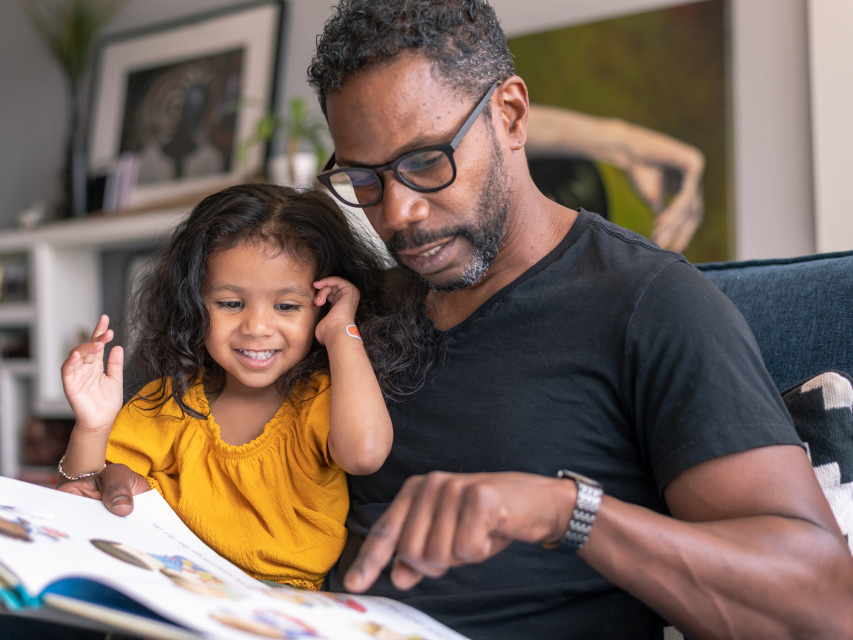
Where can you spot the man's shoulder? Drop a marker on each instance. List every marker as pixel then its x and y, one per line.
pixel 596 248
pixel 625 243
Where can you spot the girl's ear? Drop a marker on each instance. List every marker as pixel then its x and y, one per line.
pixel 513 109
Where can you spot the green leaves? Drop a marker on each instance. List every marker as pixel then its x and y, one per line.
pixel 70 28
pixel 296 127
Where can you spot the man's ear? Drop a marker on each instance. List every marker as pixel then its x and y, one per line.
pixel 513 108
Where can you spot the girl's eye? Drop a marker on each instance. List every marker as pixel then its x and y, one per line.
pixel 285 306
pixel 230 304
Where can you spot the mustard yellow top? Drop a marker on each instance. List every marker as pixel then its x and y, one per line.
pixel 274 506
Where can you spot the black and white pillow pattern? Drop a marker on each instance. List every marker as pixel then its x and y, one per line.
pixel 822 408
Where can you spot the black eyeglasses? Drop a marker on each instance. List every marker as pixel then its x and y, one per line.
pixel 428 169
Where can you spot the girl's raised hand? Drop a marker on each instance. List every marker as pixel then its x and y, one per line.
pixel 344 297
pixel 95 394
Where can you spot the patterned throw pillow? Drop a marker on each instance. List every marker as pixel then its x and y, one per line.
pixel 822 408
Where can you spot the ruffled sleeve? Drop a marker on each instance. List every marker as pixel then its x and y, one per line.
pixel 143 434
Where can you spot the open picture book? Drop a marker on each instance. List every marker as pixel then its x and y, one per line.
pixel 66 559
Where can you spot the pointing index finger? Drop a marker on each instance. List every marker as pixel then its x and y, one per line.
pixel 381 543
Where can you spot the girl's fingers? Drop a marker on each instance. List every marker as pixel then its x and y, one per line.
pixel 328 293
pixel 83 355
pixel 71 362
pixel 90 351
pixel 101 327
pixel 115 363
pixel 322 296
pixel 331 281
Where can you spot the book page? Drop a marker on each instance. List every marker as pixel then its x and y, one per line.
pixel 66 546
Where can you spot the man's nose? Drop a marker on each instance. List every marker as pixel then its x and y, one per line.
pixel 401 206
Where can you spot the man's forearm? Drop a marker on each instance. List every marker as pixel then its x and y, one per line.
pixel 751 577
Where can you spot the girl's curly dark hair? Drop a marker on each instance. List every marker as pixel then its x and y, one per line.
pixel 172 323
pixel 463 38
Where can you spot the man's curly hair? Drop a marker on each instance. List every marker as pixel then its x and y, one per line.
pixel 463 38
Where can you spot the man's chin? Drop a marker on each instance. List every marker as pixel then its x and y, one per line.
pixel 448 287
pixel 437 282
pixel 444 282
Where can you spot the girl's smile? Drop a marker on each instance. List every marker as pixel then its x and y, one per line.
pixel 258 359
pixel 261 357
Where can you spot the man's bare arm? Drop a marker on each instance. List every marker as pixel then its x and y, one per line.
pixel 753 549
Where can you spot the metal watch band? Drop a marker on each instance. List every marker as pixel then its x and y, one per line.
pixel 590 493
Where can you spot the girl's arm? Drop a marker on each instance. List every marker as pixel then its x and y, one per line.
pixel 95 396
pixel 360 432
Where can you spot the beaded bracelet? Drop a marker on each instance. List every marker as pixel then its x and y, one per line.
pixel 81 476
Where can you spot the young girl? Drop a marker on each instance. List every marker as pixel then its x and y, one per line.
pixel 263 394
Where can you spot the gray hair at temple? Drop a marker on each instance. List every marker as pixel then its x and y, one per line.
pixel 463 38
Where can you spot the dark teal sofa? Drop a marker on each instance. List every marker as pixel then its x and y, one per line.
pixel 800 310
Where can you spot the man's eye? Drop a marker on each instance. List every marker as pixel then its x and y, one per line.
pixel 423 161
pixel 230 304
pixel 285 306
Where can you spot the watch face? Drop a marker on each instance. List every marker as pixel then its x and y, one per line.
pixel 577 477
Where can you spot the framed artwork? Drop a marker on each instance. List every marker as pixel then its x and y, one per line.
pixel 630 118
pixel 169 97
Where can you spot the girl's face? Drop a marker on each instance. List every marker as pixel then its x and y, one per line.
pixel 262 313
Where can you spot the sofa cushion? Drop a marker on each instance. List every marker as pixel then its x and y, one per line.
pixel 822 409
pixel 800 310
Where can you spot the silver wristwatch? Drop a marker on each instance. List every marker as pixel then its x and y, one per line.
pixel 590 493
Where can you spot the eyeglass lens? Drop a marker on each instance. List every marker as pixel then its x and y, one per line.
pixel 429 169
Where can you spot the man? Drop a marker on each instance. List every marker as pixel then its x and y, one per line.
pixel 569 343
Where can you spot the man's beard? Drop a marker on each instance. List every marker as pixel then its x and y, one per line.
pixel 485 235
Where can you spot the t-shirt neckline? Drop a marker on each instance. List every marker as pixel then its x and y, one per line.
pixel 583 219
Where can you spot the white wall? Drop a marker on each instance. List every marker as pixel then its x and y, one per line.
pixel 830 24
pixel 771 153
pixel 774 210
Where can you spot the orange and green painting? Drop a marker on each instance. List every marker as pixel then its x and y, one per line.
pixel 650 91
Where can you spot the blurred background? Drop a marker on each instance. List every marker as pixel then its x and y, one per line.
pixel 783 56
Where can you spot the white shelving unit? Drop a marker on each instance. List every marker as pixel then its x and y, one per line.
pixel 64 302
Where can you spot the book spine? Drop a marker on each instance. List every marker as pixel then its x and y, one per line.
pixel 9 599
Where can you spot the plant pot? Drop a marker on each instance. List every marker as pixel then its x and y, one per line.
pixel 74 172
pixel 303 173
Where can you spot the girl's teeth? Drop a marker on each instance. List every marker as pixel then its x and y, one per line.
pixel 257 355
pixel 431 252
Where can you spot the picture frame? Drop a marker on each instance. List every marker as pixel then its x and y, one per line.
pixel 173 96
pixel 641 94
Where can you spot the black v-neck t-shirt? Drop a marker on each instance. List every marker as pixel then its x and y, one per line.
pixel 610 357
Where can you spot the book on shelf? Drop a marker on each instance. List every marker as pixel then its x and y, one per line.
pixel 64 558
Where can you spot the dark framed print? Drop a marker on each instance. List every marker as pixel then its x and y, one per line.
pixel 168 97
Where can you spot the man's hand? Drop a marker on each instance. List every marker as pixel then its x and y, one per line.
pixel 115 486
pixel 443 520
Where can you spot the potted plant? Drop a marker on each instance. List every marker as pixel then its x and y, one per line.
pixel 69 29
pixel 304 143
